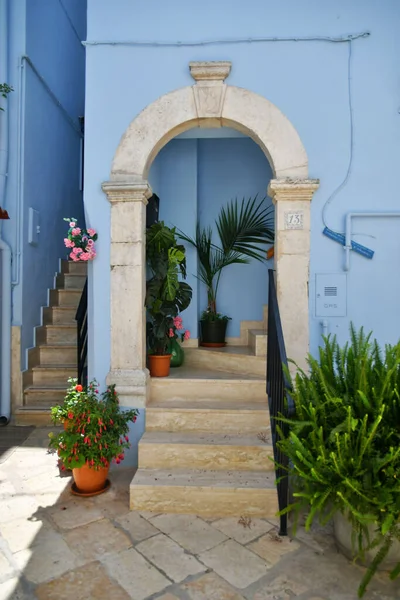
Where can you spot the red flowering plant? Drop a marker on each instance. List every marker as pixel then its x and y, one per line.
pixel 96 430
pixel 177 331
pixel 62 412
pixel 80 241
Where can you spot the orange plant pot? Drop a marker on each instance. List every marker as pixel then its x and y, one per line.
pixel 89 480
pixel 159 365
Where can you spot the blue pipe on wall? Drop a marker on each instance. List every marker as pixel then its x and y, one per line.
pixel 353 215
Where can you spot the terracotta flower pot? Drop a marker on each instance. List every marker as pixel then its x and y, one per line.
pixel 159 365
pixel 89 479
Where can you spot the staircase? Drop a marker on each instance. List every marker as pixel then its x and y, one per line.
pixel 207 448
pixel 53 359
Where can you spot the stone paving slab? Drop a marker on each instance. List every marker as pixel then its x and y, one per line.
pixel 12 437
pixel 88 582
pixel 54 546
pixel 211 587
pixel 170 558
pixel 136 575
pixel 190 532
pixel 138 528
pixel 237 565
pixel 243 531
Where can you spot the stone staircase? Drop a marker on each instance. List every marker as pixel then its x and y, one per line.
pixel 53 359
pixel 206 448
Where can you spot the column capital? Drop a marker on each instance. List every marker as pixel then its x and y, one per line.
pixel 125 191
pixel 292 189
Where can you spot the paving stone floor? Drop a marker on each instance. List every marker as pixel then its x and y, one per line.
pixel 54 546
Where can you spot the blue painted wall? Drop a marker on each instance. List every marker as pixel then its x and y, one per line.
pixel 196 177
pixel 229 169
pixel 306 80
pixel 50 34
pixel 177 189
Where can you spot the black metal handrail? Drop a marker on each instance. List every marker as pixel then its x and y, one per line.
pixel 82 331
pixel 279 401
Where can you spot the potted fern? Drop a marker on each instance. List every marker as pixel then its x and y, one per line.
pixel 243 229
pixel 166 294
pixel 344 448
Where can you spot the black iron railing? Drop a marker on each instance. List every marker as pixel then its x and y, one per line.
pixel 280 402
pixel 82 331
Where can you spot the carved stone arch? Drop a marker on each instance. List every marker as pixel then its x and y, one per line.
pixel 208 103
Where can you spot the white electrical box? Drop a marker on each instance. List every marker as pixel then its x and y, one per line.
pixel 330 295
pixel 33 227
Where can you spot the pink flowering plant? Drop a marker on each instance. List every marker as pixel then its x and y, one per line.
pixel 177 331
pixel 81 242
pixel 95 429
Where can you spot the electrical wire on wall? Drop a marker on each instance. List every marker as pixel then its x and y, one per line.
pixel 337 190
pixel 347 39
pixel 258 40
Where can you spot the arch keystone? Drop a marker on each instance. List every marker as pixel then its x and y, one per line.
pixel 209 90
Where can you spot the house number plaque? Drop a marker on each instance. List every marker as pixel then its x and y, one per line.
pixel 294 220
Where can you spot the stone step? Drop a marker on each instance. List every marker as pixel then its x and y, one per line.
pixel 209 451
pixel 53 374
pixel 258 341
pixel 44 396
pixel 206 386
pixel 70 281
pixel 37 416
pixel 245 327
pixel 58 354
pixel 56 334
pixel 59 315
pixel 65 298
pixel 205 493
pixel 74 268
pixel 233 359
pixel 202 416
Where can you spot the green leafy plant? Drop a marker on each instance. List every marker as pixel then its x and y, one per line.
pixel 242 229
pixel 96 430
pixel 166 294
pixel 5 89
pixel 209 315
pixel 344 442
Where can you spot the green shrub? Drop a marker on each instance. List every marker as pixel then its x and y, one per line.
pixel 344 442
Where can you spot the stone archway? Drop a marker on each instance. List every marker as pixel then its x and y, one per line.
pixel 208 103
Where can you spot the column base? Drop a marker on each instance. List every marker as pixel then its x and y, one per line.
pixel 133 387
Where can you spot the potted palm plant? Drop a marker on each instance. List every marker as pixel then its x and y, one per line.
pixel 243 229
pixel 95 434
pixel 166 294
pixel 344 449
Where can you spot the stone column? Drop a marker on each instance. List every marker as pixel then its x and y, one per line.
pixel 292 199
pixel 128 288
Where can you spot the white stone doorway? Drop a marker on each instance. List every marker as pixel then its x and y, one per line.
pixel 208 103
